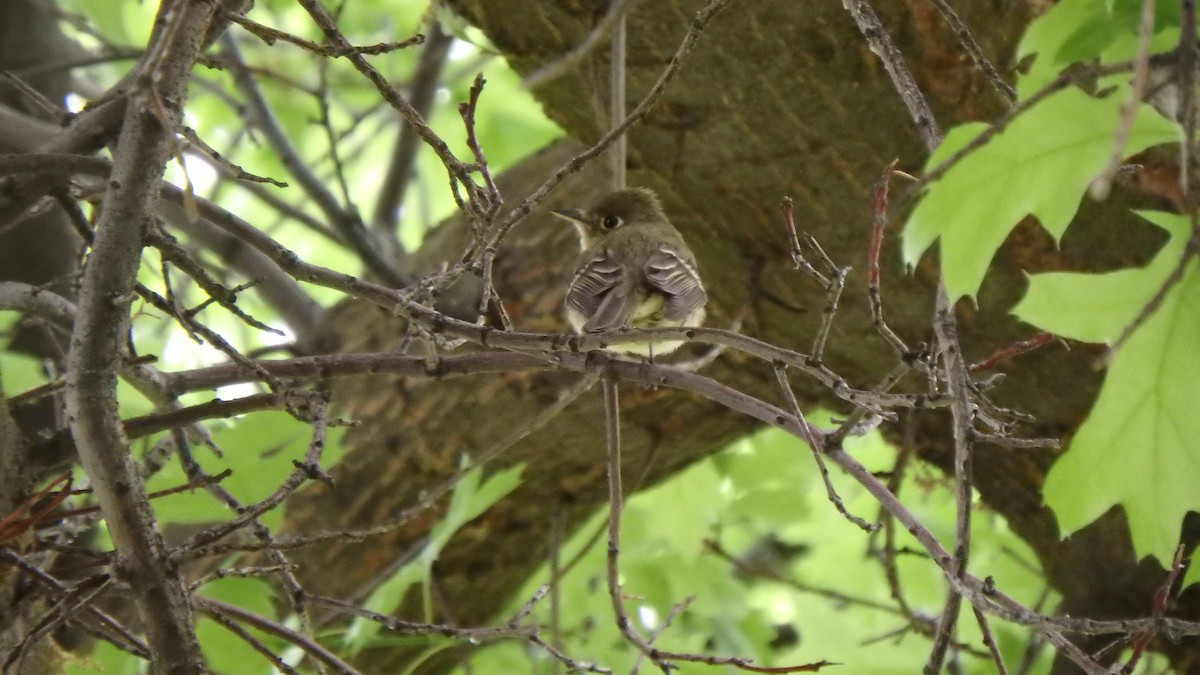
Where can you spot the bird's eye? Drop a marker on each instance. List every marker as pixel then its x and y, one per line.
pixel 610 222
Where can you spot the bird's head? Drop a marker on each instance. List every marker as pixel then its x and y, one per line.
pixel 623 208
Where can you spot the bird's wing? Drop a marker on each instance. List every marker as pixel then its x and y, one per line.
pixel 599 291
pixel 677 279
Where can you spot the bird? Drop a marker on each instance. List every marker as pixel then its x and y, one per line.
pixel 634 271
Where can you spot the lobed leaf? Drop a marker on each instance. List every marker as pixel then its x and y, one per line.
pixel 1040 165
pixel 1140 446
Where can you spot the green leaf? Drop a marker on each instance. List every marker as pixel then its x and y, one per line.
pixel 471 497
pixel 1069 31
pixel 681 513
pixel 1040 165
pixel 1100 306
pixel 1074 31
pixel 1140 446
pixel 259 449
pixel 105 658
pixel 1192 575
pixel 19 373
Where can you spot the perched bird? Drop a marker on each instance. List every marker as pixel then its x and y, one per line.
pixel 635 271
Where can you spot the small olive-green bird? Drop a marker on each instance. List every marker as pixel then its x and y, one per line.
pixel 635 271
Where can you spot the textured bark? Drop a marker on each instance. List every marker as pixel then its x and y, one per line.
pixel 779 98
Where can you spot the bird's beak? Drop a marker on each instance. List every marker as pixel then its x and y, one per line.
pixel 576 218
pixel 573 216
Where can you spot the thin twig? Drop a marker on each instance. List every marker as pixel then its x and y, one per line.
pixel 308 469
pixel 217 160
pixel 863 418
pixel 421 92
pixel 246 636
pixel 962 410
pixel 555 574
pixel 271 35
pixel 1186 65
pixel 333 34
pixel 699 23
pixel 325 121
pixel 201 332
pixel 765 572
pixel 474 636
pixel 1101 186
pixel 879 224
pixel 1024 443
pixel 1190 250
pixel 990 641
pixel 1038 340
pixel 1072 76
pixel 616 499
pixel 1037 642
pixel 35 96
pixel 833 284
pixel 491 196
pixel 888 554
pixel 111 630
pixel 833 294
pixel 882 45
pixel 662 628
pixel 974 589
pixel 816 447
pixel 214 607
pixel 1158 609
pixel 974 51
pixel 171 251
pixel 347 223
pixel 72 602
pixel 616 105
pixel 430 498
pixel 798 260
pixel 157 494
pixel 554 69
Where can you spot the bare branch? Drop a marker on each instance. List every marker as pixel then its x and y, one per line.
pixel 215 608
pixel 974 51
pixel 98 335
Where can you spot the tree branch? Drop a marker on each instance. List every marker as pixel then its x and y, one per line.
pixel 100 329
